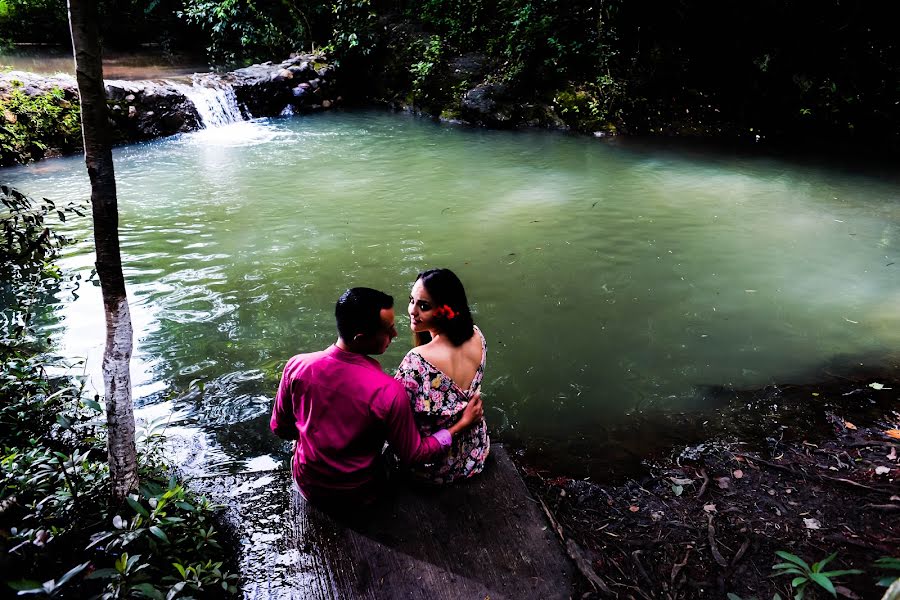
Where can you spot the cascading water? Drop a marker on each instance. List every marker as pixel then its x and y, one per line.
pixel 214 100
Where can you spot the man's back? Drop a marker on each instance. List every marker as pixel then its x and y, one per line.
pixel 341 408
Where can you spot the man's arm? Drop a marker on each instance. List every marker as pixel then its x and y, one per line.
pixel 404 437
pixel 283 422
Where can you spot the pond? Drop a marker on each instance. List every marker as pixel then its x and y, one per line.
pixel 610 278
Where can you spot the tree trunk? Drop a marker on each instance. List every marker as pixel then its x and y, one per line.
pixel 83 20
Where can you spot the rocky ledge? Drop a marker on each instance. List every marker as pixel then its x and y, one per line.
pixel 33 107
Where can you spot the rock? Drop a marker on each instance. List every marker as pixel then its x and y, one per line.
pixel 132 111
pixel 480 106
pixel 300 90
pixel 282 75
pixel 9 117
pixel 129 98
pixel 326 103
pixel 468 67
pixel 315 83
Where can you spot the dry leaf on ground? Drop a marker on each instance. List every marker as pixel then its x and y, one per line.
pixel 812 524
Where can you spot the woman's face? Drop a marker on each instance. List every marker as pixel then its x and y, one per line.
pixel 421 309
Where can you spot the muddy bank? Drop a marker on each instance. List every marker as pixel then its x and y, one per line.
pixel 809 469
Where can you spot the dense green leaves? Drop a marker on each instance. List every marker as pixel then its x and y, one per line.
pixel 32 124
pixel 60 536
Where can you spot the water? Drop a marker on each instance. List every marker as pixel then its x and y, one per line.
pixel 148 64
pixel 215 101
pixel 609 278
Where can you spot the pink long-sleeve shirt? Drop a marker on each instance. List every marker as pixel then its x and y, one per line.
pixel 341 408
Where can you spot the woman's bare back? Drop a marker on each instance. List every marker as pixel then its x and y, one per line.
pixel 459 363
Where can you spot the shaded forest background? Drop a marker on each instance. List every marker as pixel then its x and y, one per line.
pixel 777 71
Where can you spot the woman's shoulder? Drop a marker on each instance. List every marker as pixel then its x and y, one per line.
pixel 480 335
pixel 413 356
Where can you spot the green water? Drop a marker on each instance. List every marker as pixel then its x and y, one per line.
pixel 609 278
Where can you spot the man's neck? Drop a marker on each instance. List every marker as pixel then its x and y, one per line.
pixel 340 343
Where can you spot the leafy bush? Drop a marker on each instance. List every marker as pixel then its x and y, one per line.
pixel 241 31
pixel 60 537
pixel 28 247
pixel 31 126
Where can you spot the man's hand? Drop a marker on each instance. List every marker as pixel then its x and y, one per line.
pixel 472 414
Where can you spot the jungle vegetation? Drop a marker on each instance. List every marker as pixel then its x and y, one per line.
pixel 785 71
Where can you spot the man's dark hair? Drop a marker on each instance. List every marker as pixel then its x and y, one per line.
pixel 358 310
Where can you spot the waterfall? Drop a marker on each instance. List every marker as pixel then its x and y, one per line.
pixel 214 100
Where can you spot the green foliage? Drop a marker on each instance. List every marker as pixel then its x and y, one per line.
pixel 356 32
pixel 242 31
pixel 888 563
pixel 28 246
pixel 30 126
pixel 42 20
pixel 59 535
pixel 804 573
pixel 425 69
pixel 591 107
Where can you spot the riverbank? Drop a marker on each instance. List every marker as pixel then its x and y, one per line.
pixel 806 469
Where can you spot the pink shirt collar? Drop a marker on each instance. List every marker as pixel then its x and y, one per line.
pixel 352 357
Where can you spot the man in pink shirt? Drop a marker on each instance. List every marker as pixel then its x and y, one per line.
pixel 341 408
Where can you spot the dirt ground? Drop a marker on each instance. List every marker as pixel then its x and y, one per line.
pixel 808 469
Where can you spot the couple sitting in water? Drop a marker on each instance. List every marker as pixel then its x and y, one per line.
pixel 341 407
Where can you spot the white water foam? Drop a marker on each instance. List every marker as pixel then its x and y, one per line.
pixel 216 102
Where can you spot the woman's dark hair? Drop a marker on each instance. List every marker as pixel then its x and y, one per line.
pixel 445 288
pixel 358 310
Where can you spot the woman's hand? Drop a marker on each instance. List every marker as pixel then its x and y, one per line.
pixel 473 413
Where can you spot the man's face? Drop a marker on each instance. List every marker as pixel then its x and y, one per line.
pixel 386 333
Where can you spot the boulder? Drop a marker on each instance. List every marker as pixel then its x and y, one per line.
pixel 486 105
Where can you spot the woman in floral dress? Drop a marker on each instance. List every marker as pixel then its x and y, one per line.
pixel 444 371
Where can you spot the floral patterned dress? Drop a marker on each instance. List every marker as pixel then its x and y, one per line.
pixel 437 404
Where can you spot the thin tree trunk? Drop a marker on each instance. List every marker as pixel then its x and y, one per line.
pixel 83 20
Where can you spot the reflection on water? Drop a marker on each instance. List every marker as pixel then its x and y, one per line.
pixel 609 278
pixel 132 66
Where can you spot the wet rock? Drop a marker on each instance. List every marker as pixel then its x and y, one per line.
pixel 484 105
pixel 265 90
pixel 282 75
pixel 155 109
pixel 298 71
